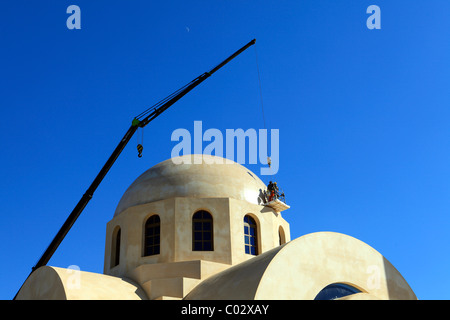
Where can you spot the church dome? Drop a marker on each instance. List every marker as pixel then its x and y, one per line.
pixel 198 176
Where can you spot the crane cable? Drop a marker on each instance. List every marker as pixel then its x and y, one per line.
pixel 269 162
pixel 280 196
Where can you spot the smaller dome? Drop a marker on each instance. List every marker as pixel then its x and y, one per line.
pixel 199 176
pixel 301 268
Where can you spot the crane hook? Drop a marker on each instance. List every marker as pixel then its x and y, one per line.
pixel 139 149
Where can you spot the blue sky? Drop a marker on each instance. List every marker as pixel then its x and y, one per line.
pixel 363 117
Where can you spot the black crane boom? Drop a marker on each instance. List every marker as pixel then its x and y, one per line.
pixel 140 121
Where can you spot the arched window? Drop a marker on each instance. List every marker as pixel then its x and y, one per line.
pixel 336 290
pixel 202 231
pixel 115 247
pixel 250 236
pixel 152 235
pixel 281 235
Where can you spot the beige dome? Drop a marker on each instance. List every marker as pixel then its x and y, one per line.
pixel 301 268
pixel 205 177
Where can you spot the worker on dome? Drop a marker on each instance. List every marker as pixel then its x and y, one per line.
pixel 271 190
pixel 274 192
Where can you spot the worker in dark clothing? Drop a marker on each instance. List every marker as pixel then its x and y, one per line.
pixel 271 190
